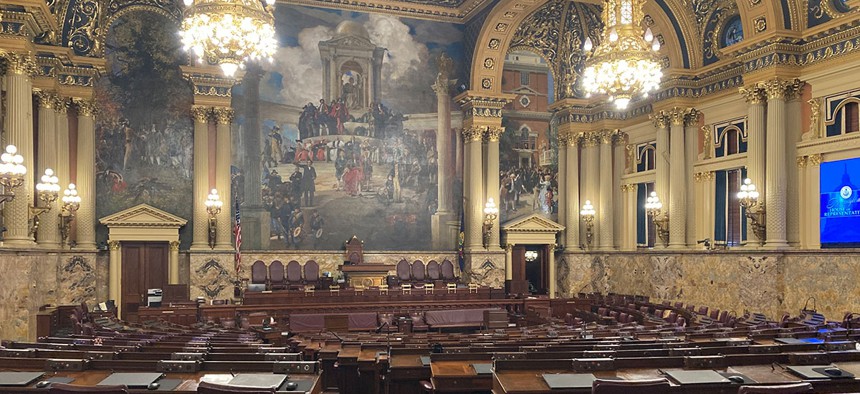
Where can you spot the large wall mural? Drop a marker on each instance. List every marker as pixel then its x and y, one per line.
pixel 342 126
pixel 143 130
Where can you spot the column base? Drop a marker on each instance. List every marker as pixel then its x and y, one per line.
pixel 440 232
pixel 776 244
pixel 199 248
pixel 86 246
pixel 677 246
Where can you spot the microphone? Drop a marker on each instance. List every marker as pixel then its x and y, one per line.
pixel 379 329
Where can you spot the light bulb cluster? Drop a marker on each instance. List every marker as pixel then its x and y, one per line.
pixel 748 195
pixel 587 210
pixel 48 189
pixel 626 63
pixel 653 205
pixel 213 203
pixel 490 208
pixel 12 168
pixel 71 199
pixel 229 32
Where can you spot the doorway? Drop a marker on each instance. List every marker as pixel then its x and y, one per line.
pixel 144 266
pixel 529 270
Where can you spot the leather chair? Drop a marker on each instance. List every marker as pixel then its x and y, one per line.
pixel 60 388
pixel 312 273
pixel 212 388
pixel 650 386
pixel 404 271
pixel 294 275
pixel 259 273
pixel 780 389
pixel 448 271
pixel 434 272
pixel 276 275
pixel 419 274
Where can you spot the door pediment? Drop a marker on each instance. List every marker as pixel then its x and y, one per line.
pixel 531 230
pixel 143 215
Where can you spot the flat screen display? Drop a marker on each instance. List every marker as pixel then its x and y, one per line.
pixel 840 203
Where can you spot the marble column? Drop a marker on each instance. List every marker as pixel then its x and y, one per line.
pixel 61 108
pixel 200 185
pixel 173 263
pixel 561 193
pixel 509 262
pixel 571 195
pixel 114 271
pixel 619 156
pixel 776 173
pixel 793 136
pixel 589 183
pixel 223 158
pixel 47 234
pixel 605 207
pixel 256 219
pixel 492 180
pixel 551 277
pixel 458 169
pixel 755 98
pixel 472 187
pixel 678 180
pixel 629 231
pixel 443 146
pixel 19 132
pixel 691 146
pixel 661 158
pixel 85 218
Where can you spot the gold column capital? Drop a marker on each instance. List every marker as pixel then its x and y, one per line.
pixel 19 63
pixel 85 107
pixel 113 245
pixel 563 139
pixel 46 100
pixel 753 94
pixel 682 116
pixel 620 138
pixel 782 89
pixel 814 160
pixel 628 187
pixel 223 115
pixel 591 138
pixel 174 246
pixel 606 136
pixel 473 134
pixel 660 119
pixel 200 113
pixel 509 248
pixel 61 104
pixel 493 133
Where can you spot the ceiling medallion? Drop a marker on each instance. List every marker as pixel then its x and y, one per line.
pixel 626 64
pixel 229 32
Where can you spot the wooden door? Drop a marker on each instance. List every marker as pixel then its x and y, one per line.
pixel 518 283
pixel 144 266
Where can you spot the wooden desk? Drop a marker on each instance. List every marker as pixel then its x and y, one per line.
pixel 456 374
pixel 405 370
pixel 189 381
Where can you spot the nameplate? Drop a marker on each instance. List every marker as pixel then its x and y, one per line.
pixel 593 364
pixel 187 356
pixel 685 351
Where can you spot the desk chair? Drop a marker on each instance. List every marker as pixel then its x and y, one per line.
pixel 473 288
pixel 212 388
pixel 406 288
pixel 60 388
pixel 359 289
pixel 650 386
pixel 383 289
pixel 780 389
pixel 309 290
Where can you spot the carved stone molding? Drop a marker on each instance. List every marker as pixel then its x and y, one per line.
pixel 704 176
pixel 753 95
pixel 782 89
pixel 113 245
pixel 628 188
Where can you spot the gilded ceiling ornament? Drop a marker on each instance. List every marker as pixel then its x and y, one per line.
pixel 223 115
pixel 501 27
pixel 200 114
pixel 760 24
pixel 814 117
pixel 489 63
pixel 494 43
pixel 510 14
pixel 84 28
pixel 487 83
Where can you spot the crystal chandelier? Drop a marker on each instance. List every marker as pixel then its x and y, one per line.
pixel 626 63
pixel 229 32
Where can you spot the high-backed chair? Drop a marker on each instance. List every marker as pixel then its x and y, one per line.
pixel 294 275
pixel 259 273
pixel 434 272
pixel 312 273
pixel 276 275
pixel 650 386
pixel 418 273
pixel 448 271
pixel 779 389
pixel 404 271
pixel 60 388
pixel 212 388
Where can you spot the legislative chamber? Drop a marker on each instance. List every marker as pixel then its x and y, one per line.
pixel 430 196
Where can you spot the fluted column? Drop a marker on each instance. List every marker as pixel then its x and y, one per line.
pixel 443 145
pixel 571 195
pixel 551 267
pixel 19 132
pixel 589 182
pixel 114 271
pixel 47 234
pixel 200 185
pixel 755 98
pixel 661 156
pixel 473 185
pixel 691 146
pixel 492 179
pixel 778 91
pixel 561 193
pixel 458 166
pixel 85 218
pixel 63 171
pixel 677 179
pixel 173 263
pixel 223 158
pixel 606 206
pixel 509 262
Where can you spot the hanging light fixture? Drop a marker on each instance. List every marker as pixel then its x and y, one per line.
pixel 229 32
pixel 626 63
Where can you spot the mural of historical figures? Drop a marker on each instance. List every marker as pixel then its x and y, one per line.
pixel 143 130
pixel 528 149
pixel 346 123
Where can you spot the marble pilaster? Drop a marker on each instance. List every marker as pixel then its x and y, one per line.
pixel 223 159
pixel 571 201
pixel 85 218
pixel 755 97
pixel 47 234
pixel 19 132
pixel 200 185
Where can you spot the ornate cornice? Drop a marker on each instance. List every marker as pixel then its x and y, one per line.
pixel 223 115
pixel 778 88
pixel 20 63
pixel 482 107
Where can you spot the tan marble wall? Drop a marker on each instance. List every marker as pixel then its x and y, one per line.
pixel 212 274
pixel 486 269
pixel 32 279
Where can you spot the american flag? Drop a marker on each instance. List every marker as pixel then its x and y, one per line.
pixel 237 231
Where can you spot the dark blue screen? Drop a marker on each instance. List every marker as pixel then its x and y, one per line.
pixel 840 203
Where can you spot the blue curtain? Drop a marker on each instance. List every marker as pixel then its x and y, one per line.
pixel 641 217
pixel 720 206
pixel 743 211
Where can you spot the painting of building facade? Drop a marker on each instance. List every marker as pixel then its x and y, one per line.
pixel 337 136
pixel 143 130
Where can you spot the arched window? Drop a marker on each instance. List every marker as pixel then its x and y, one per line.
pixel 733 31
pixel 852 117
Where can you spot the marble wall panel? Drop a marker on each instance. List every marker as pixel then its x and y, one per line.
pixel 486 269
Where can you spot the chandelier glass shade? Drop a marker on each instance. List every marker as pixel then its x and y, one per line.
pixel 626 63
pixel 229 32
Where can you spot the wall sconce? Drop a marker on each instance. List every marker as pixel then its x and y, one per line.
pixel 755 212
pixel 12 172
pixel 71 202
pixel 213 207
pixel 587 214
pixel 491 213
pixel 47 190
pixel 653 208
